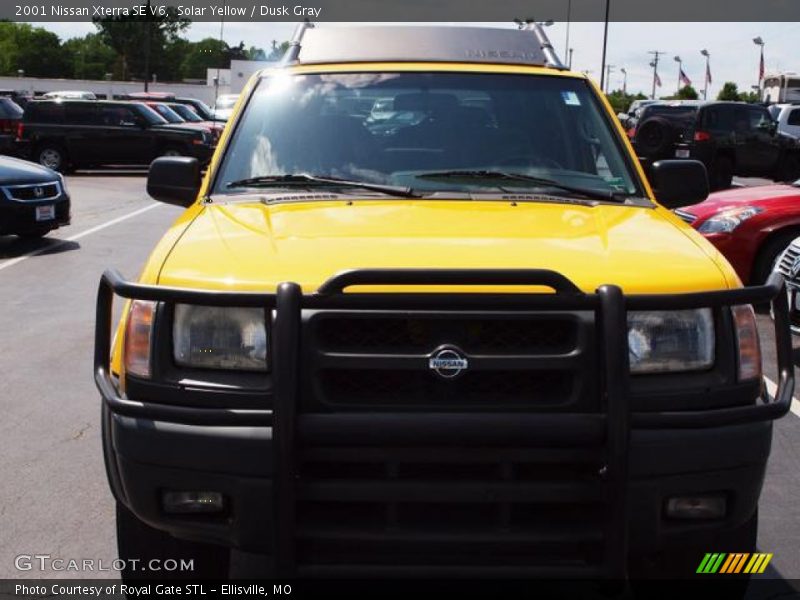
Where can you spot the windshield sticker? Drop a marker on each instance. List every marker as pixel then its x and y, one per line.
pixel 571 98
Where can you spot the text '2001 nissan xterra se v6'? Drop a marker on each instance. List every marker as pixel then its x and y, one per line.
pixel 424 315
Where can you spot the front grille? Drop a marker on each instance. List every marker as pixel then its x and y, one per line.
pixel 380 361
pixel 37 192
pixel 787 260
pixel 394 507
pixel 686 216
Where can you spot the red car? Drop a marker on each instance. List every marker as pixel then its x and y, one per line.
pixel 751 227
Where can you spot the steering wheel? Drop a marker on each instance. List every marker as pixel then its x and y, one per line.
pixel 529 160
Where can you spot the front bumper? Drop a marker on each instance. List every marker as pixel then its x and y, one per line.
pixel 259 458
pixel 21 216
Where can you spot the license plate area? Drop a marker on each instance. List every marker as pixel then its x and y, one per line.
pixel 682 153
pixel 46 212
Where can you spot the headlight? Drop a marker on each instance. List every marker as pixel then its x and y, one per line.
pixel 63 183
pixel 210 337
pixel 680 340
pixel 728 220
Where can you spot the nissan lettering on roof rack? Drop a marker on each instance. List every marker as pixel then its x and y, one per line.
pixel 410 325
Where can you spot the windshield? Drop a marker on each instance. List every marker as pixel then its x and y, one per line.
pixel 399 128
pixel 149 115
pixel 167 113
pixel 185 113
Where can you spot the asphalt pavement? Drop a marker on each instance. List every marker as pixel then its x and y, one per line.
pixel 54 498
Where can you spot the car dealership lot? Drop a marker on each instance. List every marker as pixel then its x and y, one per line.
pixel 55 499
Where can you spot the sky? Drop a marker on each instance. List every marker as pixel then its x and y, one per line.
pixel 734 56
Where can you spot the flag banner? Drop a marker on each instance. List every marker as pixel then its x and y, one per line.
pixel 684 79
pixel 658 80
pixel 708 73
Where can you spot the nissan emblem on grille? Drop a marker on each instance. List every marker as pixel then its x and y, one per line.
pixel 38 192
pixel 448 362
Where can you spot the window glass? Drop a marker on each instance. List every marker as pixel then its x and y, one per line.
pixel 794 117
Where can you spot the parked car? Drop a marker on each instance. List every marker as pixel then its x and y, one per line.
pixel 70 95
pixel 223 107
pixel 170 114
pixel 788 118
pixel 10 118
pixel 62 134
pixel 729 138
pixel 788 265
pixel 33 199
pixel 187 113
pixel 21 97
pixel 631 118
pixel 200 107
pixel 751 226
pixel 474 344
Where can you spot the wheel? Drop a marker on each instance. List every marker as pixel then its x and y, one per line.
pixel 721 173
pixel 655 137
pixel 172 151
pixel 138 544
pixel 768 254
pixel 651 578
pixel 790 168
pixel 51 156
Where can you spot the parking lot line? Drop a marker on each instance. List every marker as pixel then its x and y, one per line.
pixel 772 388
pixel 77 236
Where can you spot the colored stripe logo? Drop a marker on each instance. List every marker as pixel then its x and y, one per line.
pixel 735 562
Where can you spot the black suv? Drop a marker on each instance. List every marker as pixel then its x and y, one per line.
pixel 67 134
pixel 729 138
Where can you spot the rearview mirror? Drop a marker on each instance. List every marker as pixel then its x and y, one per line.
pixel 174 180
pixel 678 183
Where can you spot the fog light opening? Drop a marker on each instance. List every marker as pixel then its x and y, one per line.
pixel 191 503
pixel 697 507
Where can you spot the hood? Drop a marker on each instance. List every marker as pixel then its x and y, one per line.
pixel 752 196
pixel 13 170
pixel 253 246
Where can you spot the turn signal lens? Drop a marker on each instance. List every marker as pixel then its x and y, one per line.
pixel 749 346
pixel 138 334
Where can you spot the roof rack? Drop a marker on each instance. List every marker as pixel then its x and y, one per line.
pixel 319 45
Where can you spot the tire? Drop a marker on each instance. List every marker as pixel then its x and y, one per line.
pixel 790 168
pixel 721 173
pixel 655 138
pixel 52 156
pixel 137 541
pixel 768 254
pixel 172 151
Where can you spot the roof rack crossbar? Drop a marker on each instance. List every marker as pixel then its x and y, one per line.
pixel 293 51
pixel 544 42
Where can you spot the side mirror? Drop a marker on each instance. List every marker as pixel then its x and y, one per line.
pixel 174 180
pixel 678 183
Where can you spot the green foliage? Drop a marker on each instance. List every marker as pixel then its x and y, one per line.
pixel 620 101
pixel 729 92
pixel 32 49
pixel 118 48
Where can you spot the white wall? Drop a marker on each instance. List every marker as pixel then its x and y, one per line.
pixel 109 88
pixel 242 70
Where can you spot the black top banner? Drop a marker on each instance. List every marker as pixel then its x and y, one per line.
pixel 406 10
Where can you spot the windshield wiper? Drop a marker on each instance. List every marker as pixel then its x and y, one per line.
pixel 306 180
pixel 537 181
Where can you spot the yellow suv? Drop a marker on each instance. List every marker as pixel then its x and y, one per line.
pixel 424 315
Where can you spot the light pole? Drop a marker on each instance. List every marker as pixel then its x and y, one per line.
pixel 605 44
pixel 677 59
pixel 609 70
pixel 656 78
pixel 705 53
pixel 624 80
pixel 760 43
pixel 569 64
pixel 567 49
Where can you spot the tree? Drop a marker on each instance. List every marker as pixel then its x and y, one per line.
pixel 35 50
pixel 278 50
pixel 89 57
pixel 687 92
pixel 751 97
pixel 209 53
pixel 620 101
pixel 130 35
pixel 729 92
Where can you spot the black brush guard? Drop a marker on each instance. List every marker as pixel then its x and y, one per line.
pixel 294 432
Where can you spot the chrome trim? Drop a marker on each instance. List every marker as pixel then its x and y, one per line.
pixel 8 191
pixel 686 216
